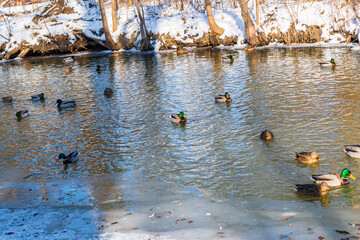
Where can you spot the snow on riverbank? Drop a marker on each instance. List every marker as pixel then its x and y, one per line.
pixel 22 27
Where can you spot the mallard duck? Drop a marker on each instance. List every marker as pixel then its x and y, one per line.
pixel 71 158
pixel 178 118
pixel 7 99
pixel 69 59
pixel 331 62
pixel 307 157
pixel 181 51
pixel 38 97
pixel 334 179
pixel 223 98
pixel 312 189
pixel 352 150
pixel 65 104
pixel 266 135
pixel 98 68
pixel 108 92
pixel 68 70
pixel 229 58
pixel 22 114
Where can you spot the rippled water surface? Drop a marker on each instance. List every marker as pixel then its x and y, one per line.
pixel 308 107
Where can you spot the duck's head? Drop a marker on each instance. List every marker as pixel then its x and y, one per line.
pixel 231 57
pixel 314 155
pixel 332 61
pixel 18 115
pixel 227 95
pixel 346 173
pixel 41 95
pixel 324 186
pixel 59 101
pixel 182 115
pixel 98 68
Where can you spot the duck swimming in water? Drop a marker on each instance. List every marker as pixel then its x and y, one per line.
pixel 108 92
pixel 22 114
pixel 266 135
pixel 331 62
pixel 7 99
pixel 229 58
pixel 70 158
pixel 223 98
pixel 178 118
pixel 334 179
pixel 65 104
pixel 38 97
pixel 307 157
pixel 352 150
pixel 312 189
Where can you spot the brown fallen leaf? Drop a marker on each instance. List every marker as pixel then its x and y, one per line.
pixel 190 221
pixel 286 218
pixel 180 219
pixel 321 237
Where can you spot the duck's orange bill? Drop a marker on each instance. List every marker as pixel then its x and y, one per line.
pixel 352 176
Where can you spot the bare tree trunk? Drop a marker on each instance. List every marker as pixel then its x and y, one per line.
pixel 257 12
pixel 250 32
pixel 145 45
pixel 109 40
pixel 215 29
pixel 113 15
pixel 118 8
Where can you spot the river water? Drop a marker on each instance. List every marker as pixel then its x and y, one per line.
pixel 209 178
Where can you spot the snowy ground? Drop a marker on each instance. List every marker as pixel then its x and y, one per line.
pixel 186 26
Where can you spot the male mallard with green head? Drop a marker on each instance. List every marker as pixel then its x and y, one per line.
pixel 331 62
pixel 65 104
pixel 178 118
pixel 352 150
pixel 307 157
pixel 266 135
pixel 223 98
pixel 22 114
pixel 334 179
pixel 38 97
pixel 312 189
pixel 229 58
pixel 70 158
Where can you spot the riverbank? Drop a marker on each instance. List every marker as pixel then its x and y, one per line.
pixel 77 26
pixel 113 206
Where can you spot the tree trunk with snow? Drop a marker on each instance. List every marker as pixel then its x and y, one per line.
pixel 145 39
pixel 110 43
pixel 257 12
pixel 215 29
pixel 113 15
pixel 250 32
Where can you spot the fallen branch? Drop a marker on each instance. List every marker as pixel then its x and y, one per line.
pixel 99 41
pixel 24 52
pixel 5 37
